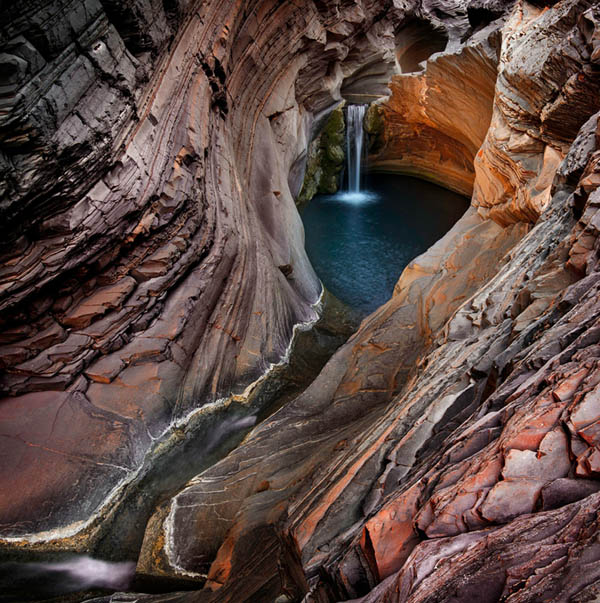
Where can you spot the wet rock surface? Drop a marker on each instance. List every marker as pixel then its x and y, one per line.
pixel 153 264
pixel 325 158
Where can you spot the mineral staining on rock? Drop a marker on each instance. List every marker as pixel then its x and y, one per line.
pixel 444 428
pixel 540 105
pixel 437 116
pixel 147 216
pixel 154 265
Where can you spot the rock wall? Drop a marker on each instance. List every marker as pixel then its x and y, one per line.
pixel 542 99
pixel 154 265
pixel 325 159
pixel 447 451
pixel 438 113
pixel 153 259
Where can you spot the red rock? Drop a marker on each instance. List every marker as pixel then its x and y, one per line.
pixel 105 369
pixel 163 138
pixel 106 299
pixel 591 434
pixel 533 430
pixel 46 438
pixel 586 411
pixel 550 462
pixel 567 387
pixel 392 534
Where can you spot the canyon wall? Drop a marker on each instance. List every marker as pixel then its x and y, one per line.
pixel 542 99
pixel 154 266
pixel 153 259
pixel 437 116
pixel 447 451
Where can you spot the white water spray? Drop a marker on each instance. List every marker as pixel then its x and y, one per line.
pixel 226 428
pixel 87 572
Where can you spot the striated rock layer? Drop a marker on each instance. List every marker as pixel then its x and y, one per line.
pixel 542 99
pixel 153 259
pixel 449 450
pixel 437 116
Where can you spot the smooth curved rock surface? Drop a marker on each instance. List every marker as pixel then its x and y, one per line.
pixel 153 258
pixel 449 451
pixel 424 131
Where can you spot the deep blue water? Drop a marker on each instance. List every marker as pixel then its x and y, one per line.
pixel 359 246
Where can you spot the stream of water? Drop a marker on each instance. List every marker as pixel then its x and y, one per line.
pixel 355 135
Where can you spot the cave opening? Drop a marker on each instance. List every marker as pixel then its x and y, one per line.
pixel 416 42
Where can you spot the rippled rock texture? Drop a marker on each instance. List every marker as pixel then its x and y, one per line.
pixel 422 128
pixel 542 99
pixel 453 435
pixel 152 256
pixel 154 264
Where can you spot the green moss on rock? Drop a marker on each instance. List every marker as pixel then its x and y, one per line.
pixel 335 127
pixel 374 126
pixel 312 175
pixel 334 154
pixel 325 159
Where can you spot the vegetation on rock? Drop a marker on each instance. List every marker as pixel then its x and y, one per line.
pixel 325 159
pixel 374 126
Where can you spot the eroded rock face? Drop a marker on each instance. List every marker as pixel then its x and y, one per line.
pixel 449 451
pixel 542 99
pixel 452 436
pixel 425 130
pixel 153 257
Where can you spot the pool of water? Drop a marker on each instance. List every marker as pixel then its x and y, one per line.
pixel 359 243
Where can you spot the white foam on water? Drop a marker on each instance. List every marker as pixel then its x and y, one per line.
pixel 356 197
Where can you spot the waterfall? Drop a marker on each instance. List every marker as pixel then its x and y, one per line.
pixel 354 145
pixel 355 135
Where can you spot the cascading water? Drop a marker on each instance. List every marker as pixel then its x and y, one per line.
pixel 37 581
pixel 361 239
pixel 354 145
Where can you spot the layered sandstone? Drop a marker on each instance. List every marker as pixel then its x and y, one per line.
pixel 542 99
pixel 153 259
pixel 438 113
pixel 459 418
pixel 154 265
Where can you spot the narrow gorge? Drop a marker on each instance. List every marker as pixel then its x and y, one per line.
pixel 233 370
